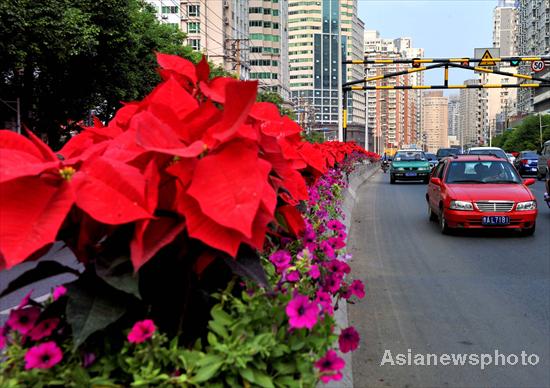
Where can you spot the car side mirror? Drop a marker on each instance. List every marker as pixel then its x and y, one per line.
pixel 529 181
pixel 435 181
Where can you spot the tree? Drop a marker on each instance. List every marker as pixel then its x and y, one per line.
pixel 63 58
pixel 275 98
pixel 525 136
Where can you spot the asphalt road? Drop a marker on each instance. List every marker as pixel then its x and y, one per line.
pixel 468 293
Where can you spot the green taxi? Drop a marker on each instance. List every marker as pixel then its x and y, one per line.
pixel 410 165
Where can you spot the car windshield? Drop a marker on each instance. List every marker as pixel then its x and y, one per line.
pixel 431 156
pixel 482 172
pixel 529 155
pixel 441 153
pixel 407 156
pixel 498 153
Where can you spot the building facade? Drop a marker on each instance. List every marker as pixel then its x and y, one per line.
pixel 313 29
pixel 167 11
pixel 473 122
pixel 219 29
pixel 435 121
pixel 534 40
pixel 393 116
pixel 454 114
pixel 268 34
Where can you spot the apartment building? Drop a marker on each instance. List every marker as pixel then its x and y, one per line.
pixel 313 30
pixel 435 121
pixel 473 118
pixel 393 116
pixel 219 29
pixel 268 34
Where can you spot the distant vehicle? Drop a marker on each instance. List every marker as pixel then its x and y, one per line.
pixel 410 165
pixel 542 162
pixel 547 194
pixel 511 157
pixel 481 191
pixel 432 159
pixel 498 152
pixel 444 152
pixel 526 163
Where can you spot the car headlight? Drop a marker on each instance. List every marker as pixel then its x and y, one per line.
pixel 528 205
pixel 399 168
pixel 461 205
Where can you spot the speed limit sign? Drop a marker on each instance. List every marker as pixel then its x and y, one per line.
pixel 537 66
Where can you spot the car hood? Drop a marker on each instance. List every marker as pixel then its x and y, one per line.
pixel 488 191
pixel 412 163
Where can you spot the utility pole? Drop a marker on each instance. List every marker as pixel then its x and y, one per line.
pixel 235 54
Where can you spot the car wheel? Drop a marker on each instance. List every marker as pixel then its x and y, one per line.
pixel 392 179
pixel 529 231
pixel 432 216
pixel 443 223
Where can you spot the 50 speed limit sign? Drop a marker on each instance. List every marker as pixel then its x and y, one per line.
pixel 537 66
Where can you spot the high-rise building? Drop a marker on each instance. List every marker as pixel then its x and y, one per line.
pixel 473 122
pixel 167 11
pixel 219 29
pixel 435 116
pixel 454 114
pixel 505 29
pixel 313 28
pixel 534 40
pixel 269 45
pixel 393 116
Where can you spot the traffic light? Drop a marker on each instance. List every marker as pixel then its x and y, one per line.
pixel 415 63
pixel 514 62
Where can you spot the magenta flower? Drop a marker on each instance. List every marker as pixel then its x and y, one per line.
pixel 292 276
pixel 333 282
pixel 336 243
pixel 327 249
pixel 58 292
pixel 358 289
pixel 301 312
pixel 3 340
pixel 314 272
pixel 88 359
pixel 335 225
pixel 325 301
pixel 25 301
pixel 142 331
pixel 281 260
pixel 43 329
pixel 23 320
pixel 43 356
pixel 348 340
pixel 330 366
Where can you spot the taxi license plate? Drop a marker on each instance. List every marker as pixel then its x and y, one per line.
pixel 495 220
pixel 410 174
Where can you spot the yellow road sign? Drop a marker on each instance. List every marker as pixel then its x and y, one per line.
pixel 487 59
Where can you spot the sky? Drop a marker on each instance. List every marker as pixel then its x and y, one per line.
pixel 444 28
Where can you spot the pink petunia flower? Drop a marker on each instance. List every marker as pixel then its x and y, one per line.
pixel 43 356
pixel 281 260
pixel 301 312
pixel 327 249
pixel 348 340
pixel 23 320
pixel 358 289
pixel 58 292
pixel 325 301
pixel 330 366
pixel 142 331
pixel 3 340
pixel 314 272
pixel 43 329
pixel 25 301
pixel 336 243
pixel 333 282
pixel 335 225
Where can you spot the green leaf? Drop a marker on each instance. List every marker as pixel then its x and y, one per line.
pixel 210 359
pixel 263 380
pixel 91 307
pixel 212 340
pixel 206 372
pixel 248 374
pixel 284 368
pixel 221 316
pixel 218 329
pixel 119 274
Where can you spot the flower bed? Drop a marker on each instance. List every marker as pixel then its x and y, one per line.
pixel 211 238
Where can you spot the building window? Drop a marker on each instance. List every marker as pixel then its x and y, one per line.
pixel 255 23
pixel 193 10
pixel 256 10
pixel 193 27
pixel 195 44
pixel 275 12
pixel 170 9
pixel 267 24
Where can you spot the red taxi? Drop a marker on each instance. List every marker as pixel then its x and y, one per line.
pixel 480 191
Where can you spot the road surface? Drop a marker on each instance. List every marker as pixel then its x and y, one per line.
pixel 470 293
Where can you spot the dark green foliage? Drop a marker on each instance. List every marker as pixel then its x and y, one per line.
pixel 525 136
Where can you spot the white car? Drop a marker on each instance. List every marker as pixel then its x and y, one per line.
pixel 498 152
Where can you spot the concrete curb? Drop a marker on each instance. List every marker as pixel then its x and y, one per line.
pixel 361 174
